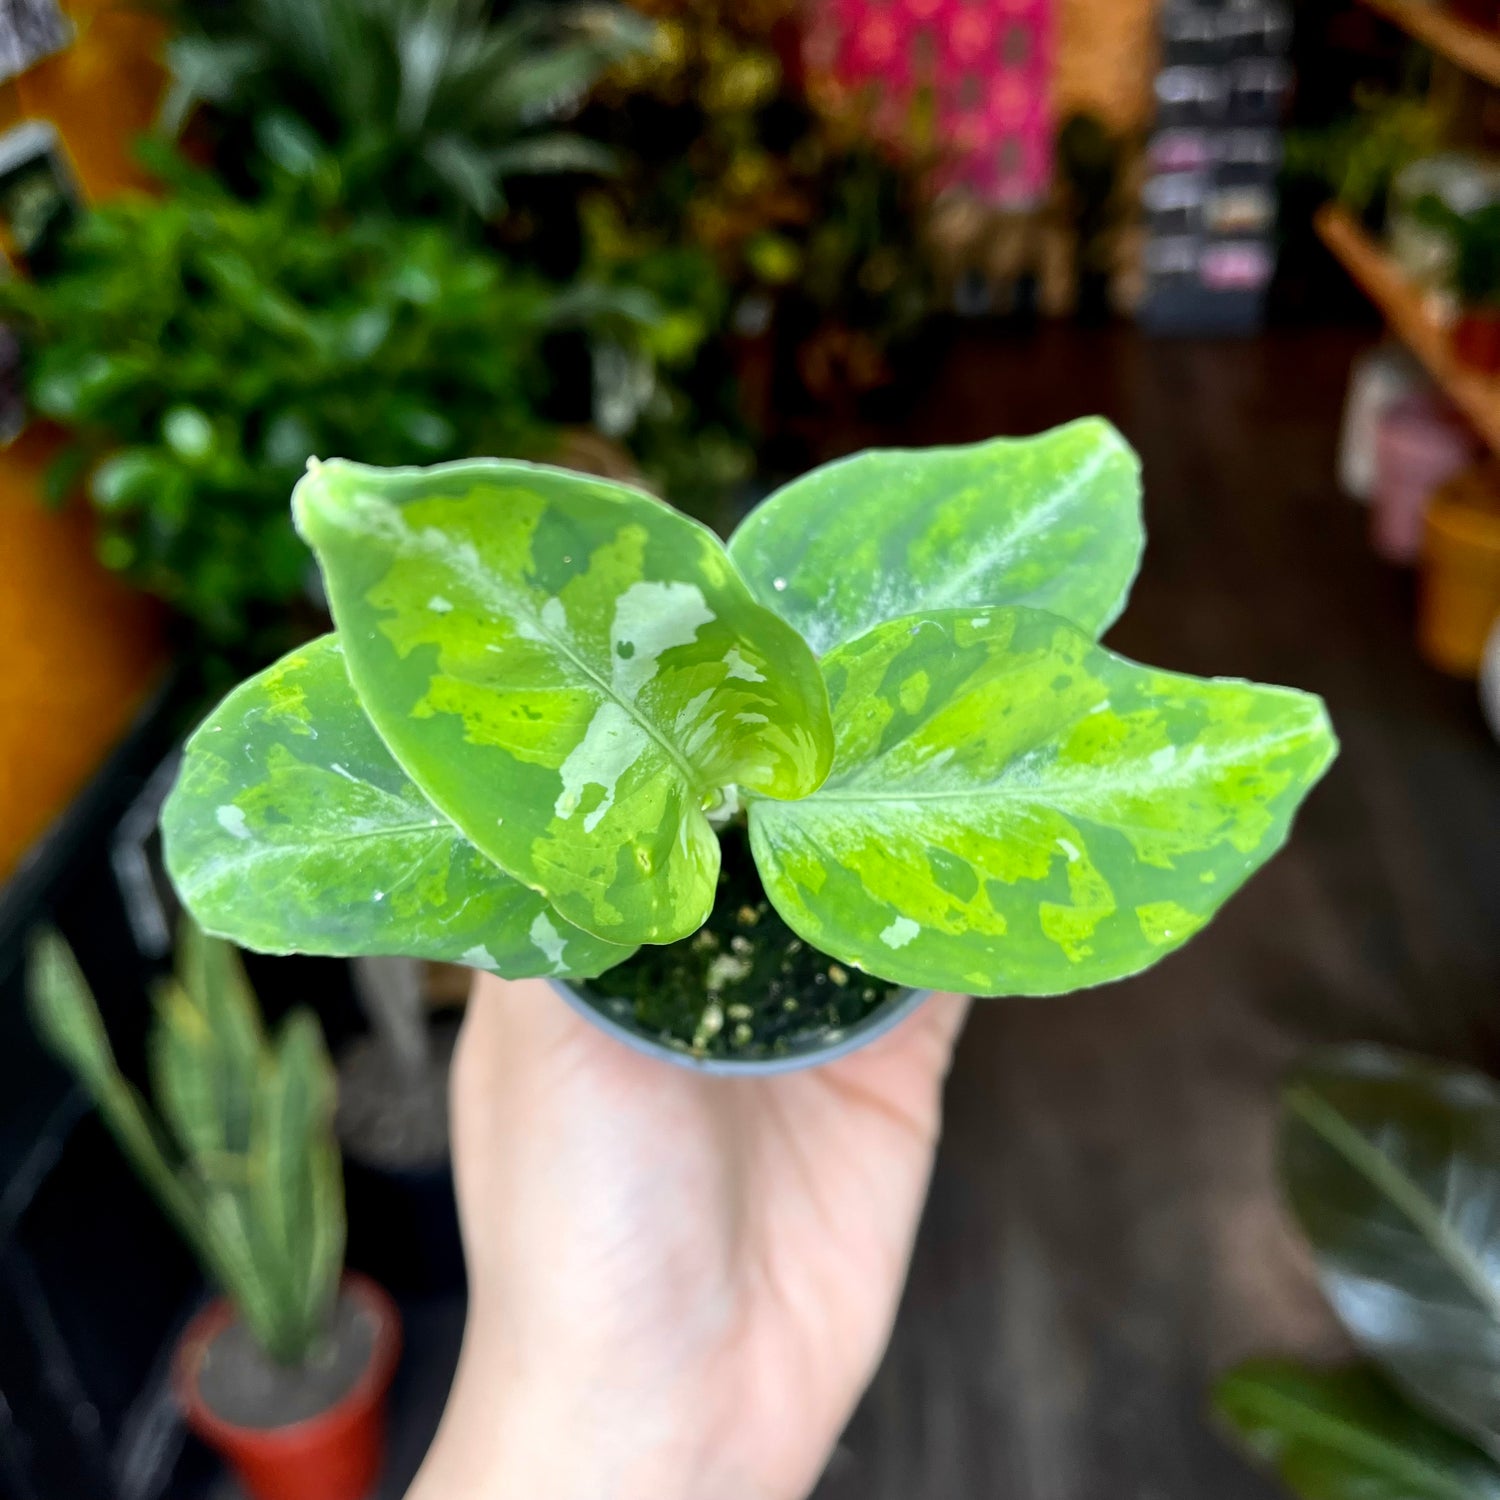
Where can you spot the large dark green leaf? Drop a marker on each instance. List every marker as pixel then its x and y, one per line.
pixel 291 829
pixel 1015 810
pixel 1052 521
pixel 1392 1167
pixel 1346 1435
pixel 570 670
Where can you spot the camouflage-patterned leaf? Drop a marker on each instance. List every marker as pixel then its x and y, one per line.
pixel 1052 521
pixel 291 829
pixel 570 671
pixel 1015 810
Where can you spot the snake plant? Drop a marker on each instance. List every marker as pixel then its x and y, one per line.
pixel 243 1159
pixel 547 692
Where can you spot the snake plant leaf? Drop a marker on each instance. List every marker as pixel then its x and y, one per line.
pixel 1015 810
pixel 1344 1434
pixel 1391 1165
pixel 570 670
pixel 1051 521
pixel 292 829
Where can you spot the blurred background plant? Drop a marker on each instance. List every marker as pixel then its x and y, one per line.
pixel 243 1159
pixel 421 108
pixel 812 226
pixel 1391 1167
pixel 199 349
pixel 1356 158
pixel 454 113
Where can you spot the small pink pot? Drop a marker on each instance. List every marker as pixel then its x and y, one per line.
pixel 1421 442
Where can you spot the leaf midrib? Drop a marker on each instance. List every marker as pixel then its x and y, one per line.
pixel 1400 1189
pixel 1049 792
pixel 1348 1438
pixel 505 603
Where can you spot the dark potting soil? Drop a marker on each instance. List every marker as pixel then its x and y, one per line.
pixel 241 1383
pixel 744 986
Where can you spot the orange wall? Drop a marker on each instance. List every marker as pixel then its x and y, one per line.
pixel 1106 57
pixel 78 650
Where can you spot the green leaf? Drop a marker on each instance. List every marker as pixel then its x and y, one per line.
pixel 1052 521
pixel 1346 1435
pixel 1392 1168
pixel 570 670
pixel 291 829
pixel 1015 810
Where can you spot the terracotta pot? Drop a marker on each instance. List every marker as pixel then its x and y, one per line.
pixel 1476 339
pixel 1460 595
pixel 333 1456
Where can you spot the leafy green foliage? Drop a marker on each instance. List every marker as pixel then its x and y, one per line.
pixel 245 1162
pixel 580 681
pixel 1392 1168
pixel 200 349
pixel 1346 1435
pixel 1356 158
pixel 1052 521
pixel 418 107
pixel 1391 1165
pixel 332 849
pixel 1015 810
pixel 571 671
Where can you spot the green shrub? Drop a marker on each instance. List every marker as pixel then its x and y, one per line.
pixel 199 349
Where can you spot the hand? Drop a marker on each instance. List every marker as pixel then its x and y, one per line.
pixel 678 1285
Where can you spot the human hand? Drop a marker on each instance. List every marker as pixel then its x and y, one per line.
pixel 679 1285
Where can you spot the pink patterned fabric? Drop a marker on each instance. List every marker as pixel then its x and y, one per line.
pixel 970 77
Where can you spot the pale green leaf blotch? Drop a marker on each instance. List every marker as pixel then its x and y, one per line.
pixel 570 670
pixel 1039 814
pixel 1051 521
pixel 292 829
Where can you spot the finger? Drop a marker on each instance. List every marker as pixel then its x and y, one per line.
pixel 945 1014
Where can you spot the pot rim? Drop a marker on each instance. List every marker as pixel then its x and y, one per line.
pixel 884 1018
pixel 210 1321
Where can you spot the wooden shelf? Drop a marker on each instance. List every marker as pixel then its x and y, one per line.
pixel 1407 311
pixel 1475 49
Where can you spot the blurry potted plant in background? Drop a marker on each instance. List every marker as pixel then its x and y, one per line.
pixel 1358 158
pixel 1391 1168
pixel 813 227
pixel 447 112
pixel 869 750
pixel 411 108
pixel 198 349
pixel 1476 279
pixel 286 1376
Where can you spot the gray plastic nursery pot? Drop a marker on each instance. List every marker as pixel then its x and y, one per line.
pixel 616 1017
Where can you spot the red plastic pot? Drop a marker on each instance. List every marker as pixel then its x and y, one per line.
pixel 333 1456
pixel 1476 340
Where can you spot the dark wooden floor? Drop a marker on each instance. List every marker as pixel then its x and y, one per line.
pixel 1103 1234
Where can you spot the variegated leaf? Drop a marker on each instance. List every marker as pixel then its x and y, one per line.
pixel 292 829
pixel 1052 521
pixel 1015 810
pixel 570 670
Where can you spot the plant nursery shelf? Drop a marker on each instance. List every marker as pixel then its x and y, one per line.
pixel 1407 313
pixel 1475 49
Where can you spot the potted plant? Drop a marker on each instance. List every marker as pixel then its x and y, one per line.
pixel 1391 1167
pixel 1476 335
pixel 550 697
pixel 285 1375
